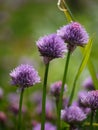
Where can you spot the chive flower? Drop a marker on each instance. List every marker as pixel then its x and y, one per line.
pixel 24 76
pixel 88 84
pixel 74 34
pixel 48 126
pixel 49 109
pixel 51 47
pixel 55 88
pixel 3 118
pixel 73 115
pixel 91 99
pixel 1 93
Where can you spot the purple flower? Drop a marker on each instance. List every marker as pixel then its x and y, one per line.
pixel 1 93
pixel 81 98
pixel 73 115
pixel 74 34
pixel 50 47
pixel 55 88
pixel 13 100
pixel 82 102
pixel 88 84
pixel 36 97
pixel 3 117
pixel 24 76
pixel 85 109
pixel 48 126
pixel 91 99
pixel 49 109
pixel 14 108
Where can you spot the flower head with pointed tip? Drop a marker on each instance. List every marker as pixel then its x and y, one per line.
pixel 73 115
pixel 50 47
pixel 74 34
pixel 24 76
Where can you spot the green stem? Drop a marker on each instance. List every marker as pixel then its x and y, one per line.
pixel 62 89
pixel 44 96
pixel 91 121
pixel 20 109
pixel 57 101
pixel 73 90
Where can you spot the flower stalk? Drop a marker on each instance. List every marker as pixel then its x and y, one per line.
pixel 62 89
pixel 91 121
pixel 44 97
pixel 20 109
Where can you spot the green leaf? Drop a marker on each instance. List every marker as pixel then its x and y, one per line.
pixel 63 7
pixel 91 69
pixel 85 59
pixel 93 73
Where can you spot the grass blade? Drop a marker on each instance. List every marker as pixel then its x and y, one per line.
pixel 63 7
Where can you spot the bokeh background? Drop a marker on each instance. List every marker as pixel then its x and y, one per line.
pixel 22 22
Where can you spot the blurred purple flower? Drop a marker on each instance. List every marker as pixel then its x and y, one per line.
pixel 14 108
pixel 88 84
pixel 81 98
pixel 3 117
pixel 36 97
pixel 81 102
pixel 50 107
pixel 55 88
pixel 13 100
pixel 24 76
pixel 1 93
pixel 73 115
pixel 50 47
pixel 91 99
pixel 85 109
pixel 48 126
pixel 74 34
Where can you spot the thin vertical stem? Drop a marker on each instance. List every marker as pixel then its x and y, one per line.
pixel 91 120
pixel 44 96
pixel 62 89
pixel 72 91
pixel 20 109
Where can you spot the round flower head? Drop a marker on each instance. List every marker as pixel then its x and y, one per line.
pixel 85 109
pixel 88 84
pixel 48 126
pixel 24 76
pixel 81 98
pixel 74 35
pixel 55 88
pixel 92 99
pixel 73 115
pixel 50 47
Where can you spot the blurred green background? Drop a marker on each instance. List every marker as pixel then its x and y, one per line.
pixel 22 22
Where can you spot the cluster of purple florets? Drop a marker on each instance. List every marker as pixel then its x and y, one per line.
pixel 24 76
pixel 54 45
pixel 50 47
